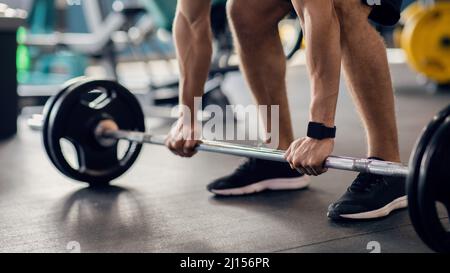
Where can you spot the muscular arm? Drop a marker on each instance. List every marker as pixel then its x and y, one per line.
pixel 192 34
pixel 323 56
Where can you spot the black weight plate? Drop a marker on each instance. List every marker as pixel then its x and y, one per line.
pixel 58 162
pixel 414 168
pixel 434 186
pixel 48 107
pixel 74 117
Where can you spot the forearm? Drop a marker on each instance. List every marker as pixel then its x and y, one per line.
pixel 323 55
pixel 323 106
pixel 192 33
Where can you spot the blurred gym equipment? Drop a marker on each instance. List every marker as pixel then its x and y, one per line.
pixel 424 34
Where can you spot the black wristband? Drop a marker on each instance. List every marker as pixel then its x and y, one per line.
pixel 320 131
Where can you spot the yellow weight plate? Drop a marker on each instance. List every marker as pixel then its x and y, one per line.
pixel 397 36
pixel 426 41
pixel 408 13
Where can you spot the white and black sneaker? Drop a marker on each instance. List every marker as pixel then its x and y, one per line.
pixel 257 175
pixel 370 196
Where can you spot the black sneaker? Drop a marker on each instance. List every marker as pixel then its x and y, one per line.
pixel 257 175
pixel 370 196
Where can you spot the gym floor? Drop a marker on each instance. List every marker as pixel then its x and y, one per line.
pixel 161 205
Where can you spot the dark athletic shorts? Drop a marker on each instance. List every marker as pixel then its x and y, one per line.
pixel 388 13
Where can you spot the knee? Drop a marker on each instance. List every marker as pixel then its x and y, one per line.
pixel 342 6
pixel 243 20
pixel 316 10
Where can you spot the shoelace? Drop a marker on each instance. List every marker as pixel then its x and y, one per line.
pixel 364 182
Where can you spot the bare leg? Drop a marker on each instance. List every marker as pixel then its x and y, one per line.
pixel 367 72
pixel 255 27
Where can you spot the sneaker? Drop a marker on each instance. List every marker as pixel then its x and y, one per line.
pixel 370 196
pixel 256 175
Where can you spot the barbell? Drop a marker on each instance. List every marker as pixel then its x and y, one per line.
pixel 79 112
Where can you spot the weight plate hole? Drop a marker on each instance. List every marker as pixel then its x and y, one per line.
pixel 436 15
pixel 434 64
pixel 97 98
pixel 69 152
pixel 443 215
pixel 122 148
pixel 445 41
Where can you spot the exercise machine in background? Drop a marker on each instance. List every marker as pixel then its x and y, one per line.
pixel 64 38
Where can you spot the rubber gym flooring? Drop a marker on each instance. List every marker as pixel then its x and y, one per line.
pixel 161 205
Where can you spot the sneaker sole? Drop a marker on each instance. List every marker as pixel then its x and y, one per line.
pixel 271 184
pixel 399 203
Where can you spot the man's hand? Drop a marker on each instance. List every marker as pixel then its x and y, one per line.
pixel 183 139
pixel 308 155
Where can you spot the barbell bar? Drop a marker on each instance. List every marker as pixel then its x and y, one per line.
pixel 333 162
pixel 345 163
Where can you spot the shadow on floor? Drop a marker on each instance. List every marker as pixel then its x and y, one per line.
pixel 112 214
pixel 306 210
